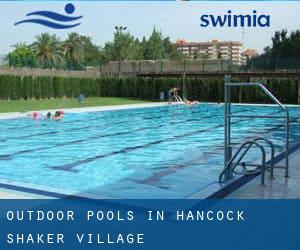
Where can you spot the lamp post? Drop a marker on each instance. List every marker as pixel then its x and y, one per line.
pixel 119 30
pixel 184 71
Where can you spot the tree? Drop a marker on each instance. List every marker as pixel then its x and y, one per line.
pixel 155 49
pixel 284 52
pixel 158 47
pixel 171 51
pixel 74 51
pixel 22 56
pixel 92 53
pixel 123 47
pixel 49 51
pixel 78 51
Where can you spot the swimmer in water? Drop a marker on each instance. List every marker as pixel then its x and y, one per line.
pixel 58 115
pixel 187 102
pixel 35 116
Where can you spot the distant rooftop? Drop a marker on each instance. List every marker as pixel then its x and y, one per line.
pixel 181 42
pixel 250 53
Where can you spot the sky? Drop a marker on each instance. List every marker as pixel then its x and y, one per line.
pixel 178 20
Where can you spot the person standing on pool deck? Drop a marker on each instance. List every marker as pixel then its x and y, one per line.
pixel 171 93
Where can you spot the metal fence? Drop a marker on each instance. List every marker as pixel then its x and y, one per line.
pixel 131 68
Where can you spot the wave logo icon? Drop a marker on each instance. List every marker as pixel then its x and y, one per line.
pixel 52 19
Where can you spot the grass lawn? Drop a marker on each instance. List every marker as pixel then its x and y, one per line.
pixel 29 105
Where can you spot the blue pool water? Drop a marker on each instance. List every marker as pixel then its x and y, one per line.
pixel 164 152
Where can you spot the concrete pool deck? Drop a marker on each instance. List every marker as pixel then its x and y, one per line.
pixel 279 188
pixel 10 194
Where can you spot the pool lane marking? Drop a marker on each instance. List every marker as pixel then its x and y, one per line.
pixel 99 126
pixel 260 132
pixel 66 130
pixel 9 156
pixel 28 136
pixel 114 123
pixel 156 177
pixel 55 132
pixel 70 166
pixel 161 109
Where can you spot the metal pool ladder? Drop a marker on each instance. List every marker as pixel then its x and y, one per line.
pixel 232 162
pixel 178 99
pixel 236 160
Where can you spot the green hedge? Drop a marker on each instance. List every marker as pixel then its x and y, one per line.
pixel 28 87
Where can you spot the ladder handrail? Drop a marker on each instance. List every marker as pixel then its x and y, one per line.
pixel 229 115
pixel 263 88
pixel 229 169
pixel 178 99
pixel 272 153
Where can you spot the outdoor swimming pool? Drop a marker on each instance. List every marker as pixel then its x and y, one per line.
pixel 161 152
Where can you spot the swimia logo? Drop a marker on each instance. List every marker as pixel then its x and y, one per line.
pixel 236 20
pixel 52 19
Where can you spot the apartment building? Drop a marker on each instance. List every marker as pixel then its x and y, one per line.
pixel 226 50
pixel 248 54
